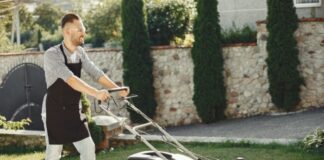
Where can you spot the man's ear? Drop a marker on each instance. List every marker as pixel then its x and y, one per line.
pixel 66 30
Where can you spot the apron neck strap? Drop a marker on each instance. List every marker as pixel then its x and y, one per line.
pixel 62 51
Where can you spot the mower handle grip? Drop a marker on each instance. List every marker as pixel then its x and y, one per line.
pixel 117 89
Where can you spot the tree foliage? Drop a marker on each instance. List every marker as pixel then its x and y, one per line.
pixel 137 61
pixel 282 61
pixel 167 20
pixel 49 17
pixel 209 90
pixel 5 43
pixel 104 22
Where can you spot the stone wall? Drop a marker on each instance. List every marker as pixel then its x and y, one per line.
pixel 173 81
pixel 245 75
pixel 30 141
pixel 310 39
pixel 246 81
pixel 310 36
pixel 246 71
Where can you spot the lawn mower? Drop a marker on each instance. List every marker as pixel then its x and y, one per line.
pixel 154 153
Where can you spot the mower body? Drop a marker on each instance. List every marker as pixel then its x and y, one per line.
pixel 151 155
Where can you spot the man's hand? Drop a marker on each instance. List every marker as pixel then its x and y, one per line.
pixel 102 95
pixel 124 93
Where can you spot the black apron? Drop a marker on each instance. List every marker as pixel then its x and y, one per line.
pixel 63 121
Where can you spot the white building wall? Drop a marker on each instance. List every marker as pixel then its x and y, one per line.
pixel 247 12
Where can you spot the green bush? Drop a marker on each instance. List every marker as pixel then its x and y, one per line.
pixel 48 43
pixel 238 35
pixel 49 39
pixel 167 20
pixel 30 38
pixel 284 77
pixel 5 44
pixel 104 23
pixel 314 141
pixel 49 16
pixel 96 132
pixel 209 89
pixel 13 125
pixel 137 60
pixel 86 106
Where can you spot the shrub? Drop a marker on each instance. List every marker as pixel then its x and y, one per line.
pixel 13 125
pixel 5 44
pixel 50 39
pixel 104 23
pixel 209 88
pixel 48 43
pixel 167 20
pixel 239 35
pixel 137 61
pixel 282 61
pixel 314 141
pixel 49 16
pixel 96 132
pixel 86 106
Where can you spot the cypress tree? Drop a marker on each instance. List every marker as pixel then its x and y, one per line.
pixel 282 61
pixel 137 61
pixel 209 90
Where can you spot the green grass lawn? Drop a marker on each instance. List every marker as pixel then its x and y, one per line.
pixel 222 151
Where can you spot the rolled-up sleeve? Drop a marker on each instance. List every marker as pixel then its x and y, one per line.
pixel 54 65
pixel 89 67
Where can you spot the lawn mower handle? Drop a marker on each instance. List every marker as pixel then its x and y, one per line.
pixel 117 89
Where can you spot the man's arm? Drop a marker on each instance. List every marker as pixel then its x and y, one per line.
pixel 97 74
pixel 89 67
pixel 77 84
pixel 107 82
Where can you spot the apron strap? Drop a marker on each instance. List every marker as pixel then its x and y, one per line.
pixel 65 60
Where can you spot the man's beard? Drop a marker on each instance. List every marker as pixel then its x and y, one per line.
pixel 79 41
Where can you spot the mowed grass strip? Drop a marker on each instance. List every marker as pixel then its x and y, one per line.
pixel 222 151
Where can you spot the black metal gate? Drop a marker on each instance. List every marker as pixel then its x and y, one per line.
pixel 21 94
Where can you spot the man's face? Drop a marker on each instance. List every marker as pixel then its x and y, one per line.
pixel 77 32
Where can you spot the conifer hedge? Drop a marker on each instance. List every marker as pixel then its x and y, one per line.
pixel 137 62
pixel 282 61
pixel 209 90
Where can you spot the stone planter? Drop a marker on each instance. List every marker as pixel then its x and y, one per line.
pixel 111 127
pixel 105 144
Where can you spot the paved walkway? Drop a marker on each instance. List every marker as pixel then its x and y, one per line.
pixel 280 128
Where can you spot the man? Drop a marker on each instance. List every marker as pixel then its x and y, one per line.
pixel 61 111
